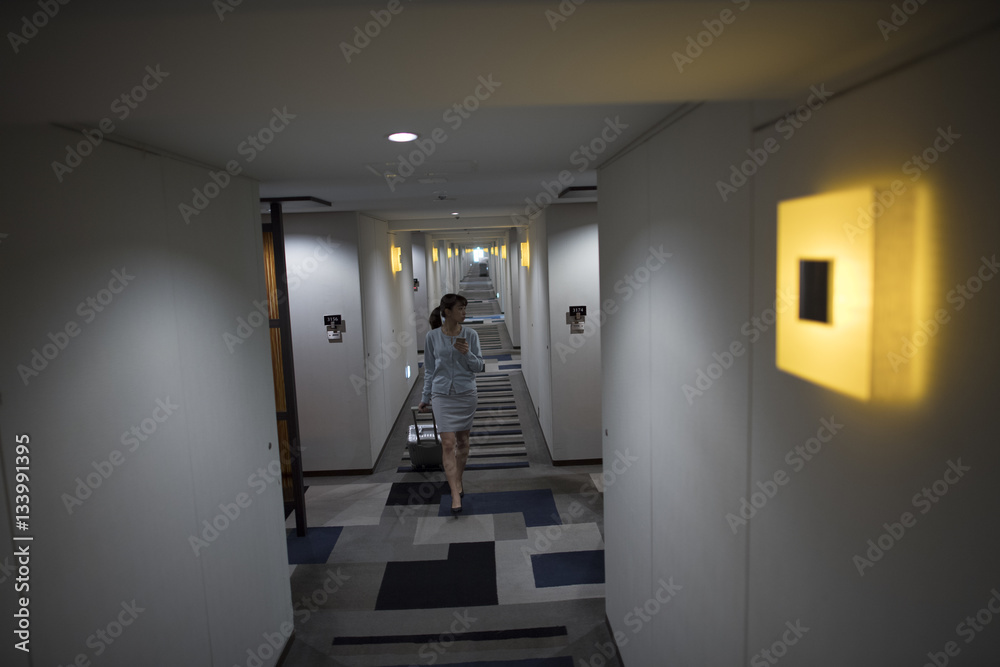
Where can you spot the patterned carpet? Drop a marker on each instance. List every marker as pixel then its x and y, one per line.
pixel 388 577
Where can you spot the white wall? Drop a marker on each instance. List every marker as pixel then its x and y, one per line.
pixel 697 459
pixel 422 311
pixel 389 331
pixel 575 359
pixel 802 547
pixel 535 359
pixel 627 401
pixel 161 337
pixel 513 316
pixel 331 379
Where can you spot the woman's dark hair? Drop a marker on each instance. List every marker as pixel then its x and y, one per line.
pixel 448 301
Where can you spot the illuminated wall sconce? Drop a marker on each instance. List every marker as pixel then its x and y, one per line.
pixel 849 292
pixel 503 252
pixel 524 254
pixel 434 254
pixel 396 255
pixel 449 252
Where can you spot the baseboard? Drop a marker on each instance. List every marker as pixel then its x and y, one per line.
pixel 578 462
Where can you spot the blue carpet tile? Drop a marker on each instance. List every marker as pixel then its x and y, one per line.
pixel 510 367
pixel 568 569
pixel 315 547
pixel 468 578
pixel 537 505
pixel 499 357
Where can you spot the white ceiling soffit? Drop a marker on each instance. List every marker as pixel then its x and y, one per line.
pixel 519 93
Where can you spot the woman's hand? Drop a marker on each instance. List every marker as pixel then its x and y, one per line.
pixel 462 346
pixel 423 407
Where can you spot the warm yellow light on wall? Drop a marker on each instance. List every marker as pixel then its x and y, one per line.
pixel 849 289
pixel 434 253
pixel 396 254
pixel 503 252
pixel 449 252
pixel 524 254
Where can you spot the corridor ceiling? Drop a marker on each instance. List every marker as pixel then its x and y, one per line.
pixel 533 82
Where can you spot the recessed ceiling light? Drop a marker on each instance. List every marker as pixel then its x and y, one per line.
pixel 402 137
pixel 455 213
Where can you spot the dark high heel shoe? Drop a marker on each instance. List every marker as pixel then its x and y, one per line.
pixel 456 510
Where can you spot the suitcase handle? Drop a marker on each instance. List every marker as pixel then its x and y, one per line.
pixel 415 409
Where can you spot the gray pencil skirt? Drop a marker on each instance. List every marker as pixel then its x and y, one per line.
pixel 454 412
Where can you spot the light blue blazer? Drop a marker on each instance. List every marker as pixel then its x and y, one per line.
pixel 445 370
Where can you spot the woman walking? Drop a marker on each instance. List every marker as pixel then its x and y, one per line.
pixel 452 357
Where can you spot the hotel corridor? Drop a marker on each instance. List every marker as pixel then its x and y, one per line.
pixel 387 576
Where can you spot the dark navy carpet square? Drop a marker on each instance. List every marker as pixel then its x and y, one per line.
pixel 468 578
pixel 568 569
pixel 315 547
pixel 415 493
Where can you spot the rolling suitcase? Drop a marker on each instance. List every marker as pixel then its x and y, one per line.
pixel 424 444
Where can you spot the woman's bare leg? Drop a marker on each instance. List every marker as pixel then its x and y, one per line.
pixel 450 463
pixel 461 455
